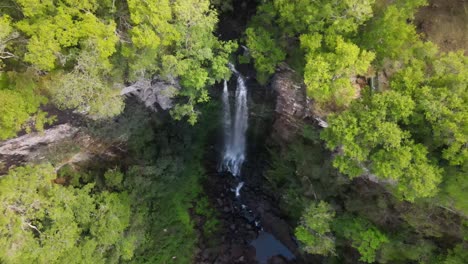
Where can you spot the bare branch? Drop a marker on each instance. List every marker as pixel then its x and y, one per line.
pixel 6 55
pixel 33 227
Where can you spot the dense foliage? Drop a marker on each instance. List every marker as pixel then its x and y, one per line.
pixel 323 30
pixel 43 222
pixel 92 214
pixel 80 54
pixel 407 133
pixel 384 182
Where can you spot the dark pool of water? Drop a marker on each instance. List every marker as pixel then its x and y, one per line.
pixel 267 246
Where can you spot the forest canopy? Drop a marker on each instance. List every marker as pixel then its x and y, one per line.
pixel 406 128
pixel 79 54
pixel 381 178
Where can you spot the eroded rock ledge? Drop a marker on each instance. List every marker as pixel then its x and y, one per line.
pixel 293 107
pixel 59 145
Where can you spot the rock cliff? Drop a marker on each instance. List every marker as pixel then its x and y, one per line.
pixel 293 108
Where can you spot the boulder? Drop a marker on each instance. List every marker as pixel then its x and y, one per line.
pixel 153 92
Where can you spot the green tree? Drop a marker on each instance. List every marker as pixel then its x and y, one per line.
pixel 175 40
pixel 324 30
pixel 390 34
pixel 86 88
pixel 364 236
pixel 369 135
pixel 55 28
pixel 43 222
pixel 439 89
pixel 318 16
pixel 327 74
pixel 314 231
pixel 397 251
pixel 19 103
pixel 84 51
pixel 457 255
pixel 114 178
pixel 7 34
pixel 265 51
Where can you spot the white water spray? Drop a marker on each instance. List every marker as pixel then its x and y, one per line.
pixel 238 188
pixel 234 150
pixel 227 122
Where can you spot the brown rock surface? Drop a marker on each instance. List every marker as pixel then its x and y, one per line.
pixel 291 106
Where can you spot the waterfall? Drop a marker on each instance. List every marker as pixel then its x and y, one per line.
pixel 227 122
pixel 234 149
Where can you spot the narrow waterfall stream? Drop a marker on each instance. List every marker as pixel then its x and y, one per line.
pixel 235 125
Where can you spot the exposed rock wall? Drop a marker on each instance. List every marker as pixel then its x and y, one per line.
pixel 31 147
pixel 59 145
pixel 292 106
pixel 28 144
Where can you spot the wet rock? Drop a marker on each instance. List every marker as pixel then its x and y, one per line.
pixel 277 260
pixel 220 202
pixel 236 251
pixel 280 229
pixel 226 209
pixel 206 254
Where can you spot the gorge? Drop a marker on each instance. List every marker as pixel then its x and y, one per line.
pixel 223 132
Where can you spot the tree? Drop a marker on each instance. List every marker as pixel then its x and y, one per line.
pixel 318 16
pixel 390 34
pixel 19 103
pixel 152 32
pixel 397 251
pixel 82 56
pixel 264 49
pixel 324 30
pixel 314 231
pixel 457 255
pixel 437 84
pixel 113 178
pixel 43 222
pixel 7 34
pixel 370 135
pixel 364 236
pixel 438 87
pixel 56 28
pixel 85 88
pixel 327 74
pixel 454 188
pixel 175 40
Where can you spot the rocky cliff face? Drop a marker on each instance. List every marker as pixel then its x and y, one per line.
pixel 292 106
pixel 59 145
pixel 31 147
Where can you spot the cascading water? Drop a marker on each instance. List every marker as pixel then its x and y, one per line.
pixel 238 188
pixel 234 150
pixel 227 122
pixel 235 125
